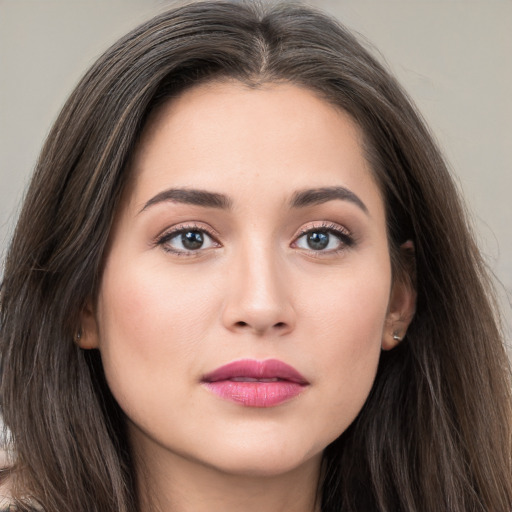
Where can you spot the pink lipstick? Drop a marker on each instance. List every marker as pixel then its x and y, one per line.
pixel 256 383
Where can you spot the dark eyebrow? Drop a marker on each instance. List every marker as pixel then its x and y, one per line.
pixel 190 196
pixel 316 196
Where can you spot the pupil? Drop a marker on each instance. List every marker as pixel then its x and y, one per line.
pixel 318 240
pixel 192 240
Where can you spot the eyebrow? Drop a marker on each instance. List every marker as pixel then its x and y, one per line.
pixel 300 199
pixel 316 196
pixel 190 196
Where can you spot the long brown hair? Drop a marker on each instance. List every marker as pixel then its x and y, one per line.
pixel 435 432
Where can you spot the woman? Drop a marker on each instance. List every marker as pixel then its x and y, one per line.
pixel 242 279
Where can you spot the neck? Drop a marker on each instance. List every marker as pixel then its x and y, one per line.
pixel 180 485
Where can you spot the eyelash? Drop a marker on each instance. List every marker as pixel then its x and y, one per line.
pixel 344 236
pixel 346 239
pixel 167 236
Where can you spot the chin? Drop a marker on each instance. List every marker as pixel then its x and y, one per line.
pixel 268 458
pixel 265 467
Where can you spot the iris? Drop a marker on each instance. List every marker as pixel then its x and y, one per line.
pixel 192 240
pixel 318 240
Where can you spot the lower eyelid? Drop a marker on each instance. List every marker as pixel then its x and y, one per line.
pixel 340 241
pixel 344 236
pixel 205 235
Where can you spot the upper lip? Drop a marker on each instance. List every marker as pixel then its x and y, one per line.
pixel 252 369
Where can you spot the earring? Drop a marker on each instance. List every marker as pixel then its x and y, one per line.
pixel 78 335
pixel 396 336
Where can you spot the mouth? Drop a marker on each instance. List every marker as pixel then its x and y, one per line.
pixel 254 383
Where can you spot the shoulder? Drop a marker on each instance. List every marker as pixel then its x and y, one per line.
pixel 5 495
pixel 5 489
pixel 14 508
pixel 6 500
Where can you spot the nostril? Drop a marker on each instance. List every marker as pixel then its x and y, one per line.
pixel 261 327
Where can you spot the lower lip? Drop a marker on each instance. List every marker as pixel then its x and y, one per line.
pixel 256 394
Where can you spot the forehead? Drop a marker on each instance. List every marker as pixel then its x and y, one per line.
pixel 225 134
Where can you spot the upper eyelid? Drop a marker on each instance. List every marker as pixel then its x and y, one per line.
pixel 164 238
pixel 344 235
pixel 325 226
pixel 175 230
pixel 183 227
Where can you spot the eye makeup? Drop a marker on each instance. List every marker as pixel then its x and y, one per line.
pixel 187 240
pixel 321 238
pixel 324 238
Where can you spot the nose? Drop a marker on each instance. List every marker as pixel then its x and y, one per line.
pixel 258 298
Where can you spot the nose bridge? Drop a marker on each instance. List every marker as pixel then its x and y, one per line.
pixel 258 298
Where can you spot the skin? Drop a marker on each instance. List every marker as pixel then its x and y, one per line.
pixel 255 289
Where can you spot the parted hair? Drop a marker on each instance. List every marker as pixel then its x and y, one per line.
pixel 435 432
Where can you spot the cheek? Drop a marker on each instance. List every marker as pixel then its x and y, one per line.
pixel 350 307
pixel 149 327
pixel 148 309
pixel 347 330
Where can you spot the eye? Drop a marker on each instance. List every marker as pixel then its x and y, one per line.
pixel 186 240
pixel 324 239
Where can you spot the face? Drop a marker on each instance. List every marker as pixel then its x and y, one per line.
pixel 247 291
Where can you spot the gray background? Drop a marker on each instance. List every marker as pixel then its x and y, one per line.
pixel 454 57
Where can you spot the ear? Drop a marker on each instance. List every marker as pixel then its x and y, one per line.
pixel 88 335
pixel 402 301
